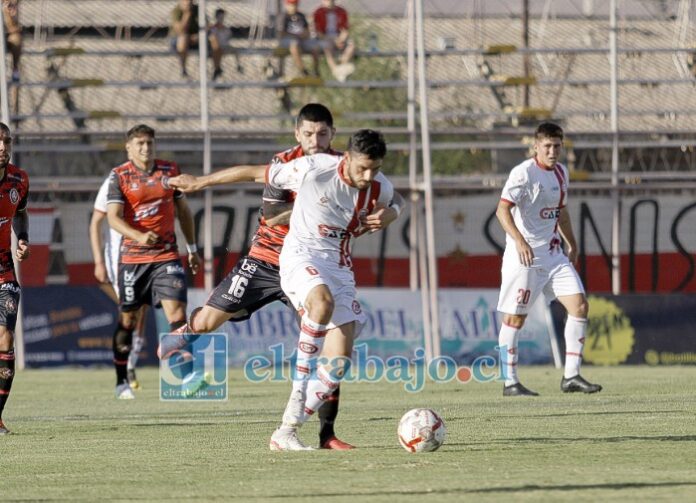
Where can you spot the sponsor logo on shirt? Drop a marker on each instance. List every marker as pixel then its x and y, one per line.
pixel 328 231
pixel 550 213
pixel 147 210
pixel 175 269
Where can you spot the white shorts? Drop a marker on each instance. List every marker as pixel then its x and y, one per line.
pixel 300 272
pixel 552 274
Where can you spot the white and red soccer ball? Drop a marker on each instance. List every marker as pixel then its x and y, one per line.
pixel 421 430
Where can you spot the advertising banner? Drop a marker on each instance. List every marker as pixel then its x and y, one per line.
pixel 640 329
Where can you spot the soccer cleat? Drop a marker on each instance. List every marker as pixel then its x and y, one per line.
pixel 518 390
pixel 336 444
pixel 3 429
pixel 133 381
pixel 175 341
pixel 124 392
pixel 286 439
pixel 194 382
pixel 577 383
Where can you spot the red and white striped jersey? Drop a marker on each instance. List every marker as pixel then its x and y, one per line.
pixel 328 208
pixel 538 194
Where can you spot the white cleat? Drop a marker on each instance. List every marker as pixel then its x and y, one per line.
pixel 195 382
pixel 124 392
pixel 286 439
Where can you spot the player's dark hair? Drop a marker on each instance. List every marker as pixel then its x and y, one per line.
pixel 368 142
pixel 140 130
pixel 548 130
pixel 219 11
pixel 314 112
pixel 5 129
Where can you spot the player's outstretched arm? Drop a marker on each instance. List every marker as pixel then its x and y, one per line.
pixel 233 174
pixel 20 225
pixel 504 214
pixel 566 228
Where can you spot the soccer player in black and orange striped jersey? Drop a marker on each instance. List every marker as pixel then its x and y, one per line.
pixel 255 279
pixel 14 191
pixel 143 207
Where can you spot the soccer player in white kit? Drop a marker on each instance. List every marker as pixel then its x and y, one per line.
pixel 339 197
pixel 532 211
pixel 106 272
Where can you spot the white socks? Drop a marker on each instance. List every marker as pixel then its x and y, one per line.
pixel 507 341
pixel 574 335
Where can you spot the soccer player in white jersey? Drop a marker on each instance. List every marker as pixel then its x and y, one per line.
pixel 106 253
pixel 532 211
pixel 339 197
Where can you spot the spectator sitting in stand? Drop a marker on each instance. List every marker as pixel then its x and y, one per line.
pixel 184 30
pixel 294 36
pixel 331 25
pixel 13 34
pixel 219 36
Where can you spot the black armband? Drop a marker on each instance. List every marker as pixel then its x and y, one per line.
pixel 23 236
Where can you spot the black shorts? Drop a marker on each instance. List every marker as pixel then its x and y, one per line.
pixel 151 283
pixel 9 300
pixel 247 288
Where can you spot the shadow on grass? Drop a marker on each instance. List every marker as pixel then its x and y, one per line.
pixel 503 489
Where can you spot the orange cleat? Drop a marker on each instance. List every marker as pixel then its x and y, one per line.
pixel 337 445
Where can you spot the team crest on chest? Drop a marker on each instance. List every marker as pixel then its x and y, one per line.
pixel 14 196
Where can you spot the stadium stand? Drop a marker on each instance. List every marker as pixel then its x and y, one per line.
pixel 94 67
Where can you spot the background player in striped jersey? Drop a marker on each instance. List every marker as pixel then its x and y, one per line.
pixel 106 251
pixel 142 207
pixel 14 191
pixel 255 279
pixel 338 198
pixel 532 211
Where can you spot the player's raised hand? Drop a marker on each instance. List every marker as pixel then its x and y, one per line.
pixel 184 183
pixel 525 252
pixel 22 250
pixel 379 218
pixel 194 262
pixel 148 238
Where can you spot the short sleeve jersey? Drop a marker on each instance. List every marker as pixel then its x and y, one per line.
pixel 14 191
pixel 268 240
pixel 148 205
pixel 538 195
pixel 295 24
pixel 328 208
pixel 330 21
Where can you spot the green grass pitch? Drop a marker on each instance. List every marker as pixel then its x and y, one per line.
pixel 72 441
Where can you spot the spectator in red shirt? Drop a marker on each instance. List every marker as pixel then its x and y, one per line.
pixel 331 25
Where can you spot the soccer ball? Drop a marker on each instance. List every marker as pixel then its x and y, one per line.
pixel 421 430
